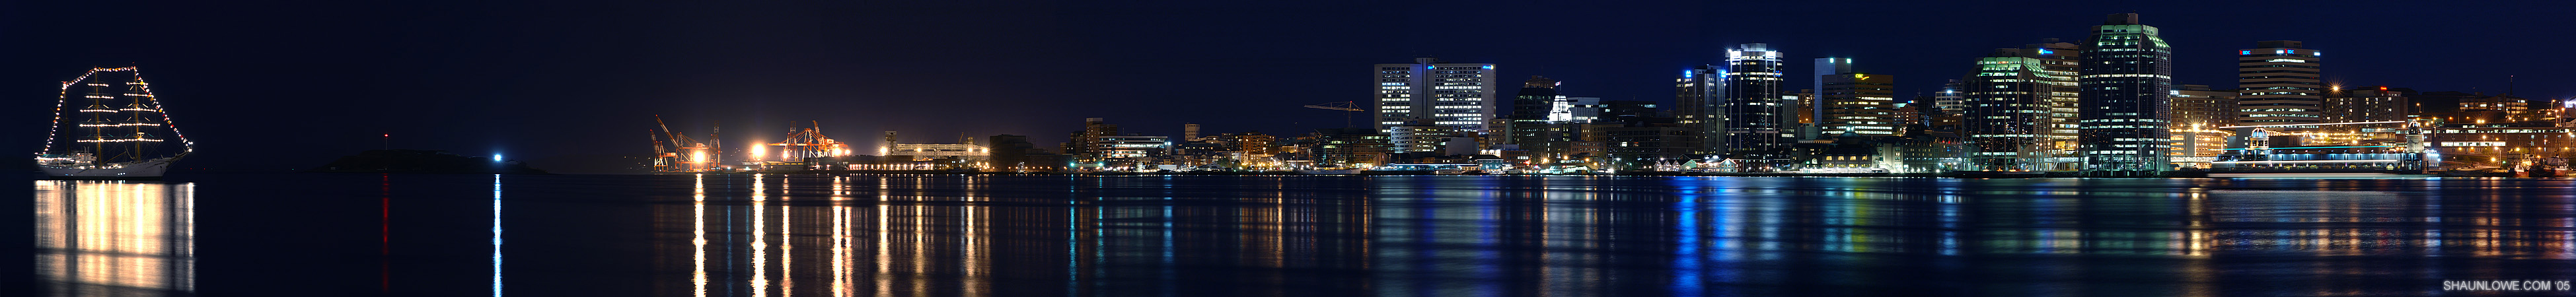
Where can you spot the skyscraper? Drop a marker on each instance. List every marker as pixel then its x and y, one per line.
pixel 1530 109
pixel 1457 95
pixel 1754 115
pixel 2127 74
pixel 2019 110
pixel 1696 95
pixel 2277 83
pixel 1811 106
pixel 1852 102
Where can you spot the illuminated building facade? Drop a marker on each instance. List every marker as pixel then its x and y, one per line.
pixel 1859 103
pixel 2377 104
pixel 2127 78
pixel 1457 95
pixel 1349 147
pixel 2278 83
pixel 1752 114
pixel 1082 145
pixel 2197 114
pixel 1530 111
pixel 1949 99
pixel 2020 107
pixel 1420 137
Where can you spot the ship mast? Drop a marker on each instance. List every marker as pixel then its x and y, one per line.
pixel 93 117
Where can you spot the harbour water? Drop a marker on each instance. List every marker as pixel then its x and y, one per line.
pixel 954 235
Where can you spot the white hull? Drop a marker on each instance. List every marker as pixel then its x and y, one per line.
pixel 130 170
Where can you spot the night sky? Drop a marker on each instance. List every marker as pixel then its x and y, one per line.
pixel 274 85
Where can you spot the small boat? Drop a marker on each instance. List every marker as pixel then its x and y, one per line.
pixel 119 130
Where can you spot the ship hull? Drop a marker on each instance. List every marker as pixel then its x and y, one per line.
pixel 138 170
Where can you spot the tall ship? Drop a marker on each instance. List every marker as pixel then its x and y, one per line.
pixel 114 129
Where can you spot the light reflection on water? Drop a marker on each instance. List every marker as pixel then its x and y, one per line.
pixel 115 238
pixel 1436 236
pixel 938 235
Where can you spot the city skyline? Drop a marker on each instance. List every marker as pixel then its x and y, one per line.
pixel 488 97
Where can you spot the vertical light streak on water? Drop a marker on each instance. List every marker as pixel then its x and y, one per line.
pixel 188 237
pixel 2433 219
pixel 1687 258
pixel 1072 239
pixel 786 239
pixel 1169 275
pixel 1949 225
pixel 921 236
pixel 1167 264
pixel 840 238
pixel 974 273
pixel 759 237
pixel 496 235
pixel 698 235
pixel 885 258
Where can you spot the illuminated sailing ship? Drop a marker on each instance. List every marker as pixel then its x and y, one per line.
pixel 114 130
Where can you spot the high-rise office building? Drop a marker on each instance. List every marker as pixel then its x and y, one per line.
pixel 1696 97
pixel 1852 102
pixel 2127 76
pixel 1530 109
pixel 1753 114
pixel 1457 95
pixel 2277 83
pixel 2200 106
pixel 2019 109
pixel 1949 99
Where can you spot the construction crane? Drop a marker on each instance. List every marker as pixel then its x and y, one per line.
pixel 1347 106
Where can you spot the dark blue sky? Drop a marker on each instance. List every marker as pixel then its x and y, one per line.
pixel 265 85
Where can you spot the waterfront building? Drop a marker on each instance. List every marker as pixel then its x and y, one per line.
pixel 1348 147
pixel 2126 80
pixel 1530 109
pixel 2375 104
pixel 1420 136
pixel 1133 146
pixel 1647 145
pixel 1014 153
pixel 1697 95
pixel 1858 103
pixel 1082 145
pixel 1456 95
pixel 1753 112
pixel 2278 83
pixel 1545 123
pixel 1743 114
pixel 2198 112
pixel 2020 108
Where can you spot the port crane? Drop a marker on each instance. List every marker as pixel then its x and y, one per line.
pixel 683 155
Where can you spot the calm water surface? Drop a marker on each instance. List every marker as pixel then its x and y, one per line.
pixel 945 235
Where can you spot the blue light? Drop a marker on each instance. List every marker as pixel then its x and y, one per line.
pixel 2245 52
pixel 2046 52
pixel 2316 53
pixel 1686 73
pixel 1489 67
pixel 496 157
